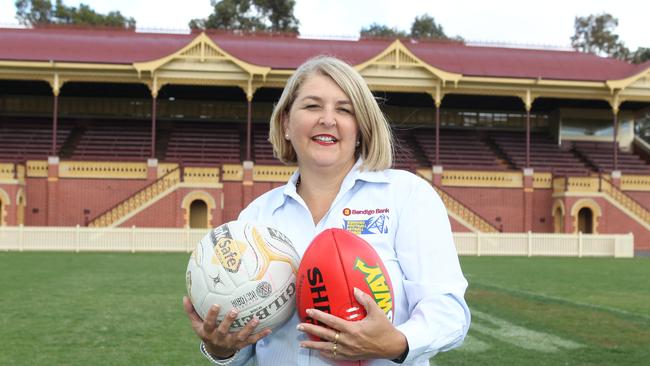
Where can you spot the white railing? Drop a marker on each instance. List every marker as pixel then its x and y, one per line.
pixel 77 239
pixel 534 244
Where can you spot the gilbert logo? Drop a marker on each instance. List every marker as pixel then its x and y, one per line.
pixel 228 252
pixel 377 282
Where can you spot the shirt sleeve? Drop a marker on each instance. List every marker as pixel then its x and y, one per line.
pixel 433 281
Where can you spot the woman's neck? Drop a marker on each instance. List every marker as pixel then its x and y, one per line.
pixel 318 188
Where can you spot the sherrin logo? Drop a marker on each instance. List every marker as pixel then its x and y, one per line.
pixel 377 282
pixel 347 211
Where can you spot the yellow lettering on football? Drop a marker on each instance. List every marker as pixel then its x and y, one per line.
pixel 376 281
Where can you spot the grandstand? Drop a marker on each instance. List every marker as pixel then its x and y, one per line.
pixel 102 127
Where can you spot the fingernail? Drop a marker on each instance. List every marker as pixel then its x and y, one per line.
pixel 356 291
pixel 300 327
pixel 233 313
pixel 215 307
pixel 310 312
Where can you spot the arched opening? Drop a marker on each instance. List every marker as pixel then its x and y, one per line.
pixel 558 220
pixel 198 214
pixel 586 220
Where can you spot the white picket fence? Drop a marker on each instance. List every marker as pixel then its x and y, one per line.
pixel 78 239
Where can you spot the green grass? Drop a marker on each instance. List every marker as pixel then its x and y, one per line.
pixel 555 311
pixel 125 309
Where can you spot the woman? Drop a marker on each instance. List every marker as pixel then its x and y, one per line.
pixel 328 122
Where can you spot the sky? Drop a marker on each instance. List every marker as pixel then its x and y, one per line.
pixel 523 23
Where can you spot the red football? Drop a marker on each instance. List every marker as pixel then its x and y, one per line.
pixel 336 262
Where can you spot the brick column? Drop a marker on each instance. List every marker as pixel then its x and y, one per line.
pixel 152 170
pixel 528 199
pixel 247 183
pixel 437 175
pixel 52 191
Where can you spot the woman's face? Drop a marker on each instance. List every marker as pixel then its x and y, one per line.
pixel 321 125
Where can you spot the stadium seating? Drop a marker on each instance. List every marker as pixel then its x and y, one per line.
pixel 600 155
pixel 204 143
pixel 545 154
pixel 262 148
pixel 112 140
pixel 22 139
pixel 459 149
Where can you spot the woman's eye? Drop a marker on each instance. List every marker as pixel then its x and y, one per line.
pixel 344 110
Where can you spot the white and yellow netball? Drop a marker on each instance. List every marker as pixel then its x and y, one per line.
pixel 245 266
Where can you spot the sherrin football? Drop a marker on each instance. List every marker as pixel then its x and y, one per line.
pixel 245 266
pixel 336 262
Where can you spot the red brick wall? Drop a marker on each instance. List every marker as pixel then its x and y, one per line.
pixel 73 196
pixel 36 195
pixel 494 204
pixel 542 215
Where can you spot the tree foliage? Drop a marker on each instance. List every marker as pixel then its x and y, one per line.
pixel 250 16
pixel 41 12
pixel 423 27
pixel 595 34
pixel 380 30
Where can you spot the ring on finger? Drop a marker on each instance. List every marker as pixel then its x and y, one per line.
pixel 334 347
pixel 336 337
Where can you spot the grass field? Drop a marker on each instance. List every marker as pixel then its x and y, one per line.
pixel 125 309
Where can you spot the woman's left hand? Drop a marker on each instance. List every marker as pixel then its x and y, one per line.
pixel 373 337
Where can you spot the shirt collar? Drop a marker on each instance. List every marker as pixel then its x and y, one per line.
pixel 355 174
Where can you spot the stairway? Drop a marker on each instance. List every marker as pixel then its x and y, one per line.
pixel 464 214
pixel 633 209
pixel 138 201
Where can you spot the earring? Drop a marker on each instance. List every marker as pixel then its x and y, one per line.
pixel 286 136
pixel 357 143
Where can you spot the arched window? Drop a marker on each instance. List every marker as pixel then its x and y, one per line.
pixel 586 220
pixel 198 214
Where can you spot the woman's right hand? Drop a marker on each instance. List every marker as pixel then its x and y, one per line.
pixel 218 340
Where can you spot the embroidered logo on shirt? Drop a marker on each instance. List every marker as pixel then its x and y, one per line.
pixel 372 225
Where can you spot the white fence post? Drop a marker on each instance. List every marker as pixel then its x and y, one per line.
pixel 20 237
pixel 530 243
pixel 579 244
pixel 478 243
pixel 133 239
pixel 76 239
pixel 187 239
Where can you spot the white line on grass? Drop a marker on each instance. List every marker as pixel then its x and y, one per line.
pixel 517 335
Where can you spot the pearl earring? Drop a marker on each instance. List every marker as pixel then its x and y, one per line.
pixel 358 143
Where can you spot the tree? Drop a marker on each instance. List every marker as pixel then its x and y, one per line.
pixel 379 30
pixel 40 12
pixel 425 26
pixel 595 34
pixel 250 16
pixel 641 55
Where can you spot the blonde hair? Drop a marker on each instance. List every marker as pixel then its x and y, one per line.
pixel 376 147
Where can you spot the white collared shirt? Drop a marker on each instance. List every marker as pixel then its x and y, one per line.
pixel 403 218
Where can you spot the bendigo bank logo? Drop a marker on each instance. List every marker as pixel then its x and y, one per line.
pixel 377 282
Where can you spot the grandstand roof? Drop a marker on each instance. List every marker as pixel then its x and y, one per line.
pixel 109 46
